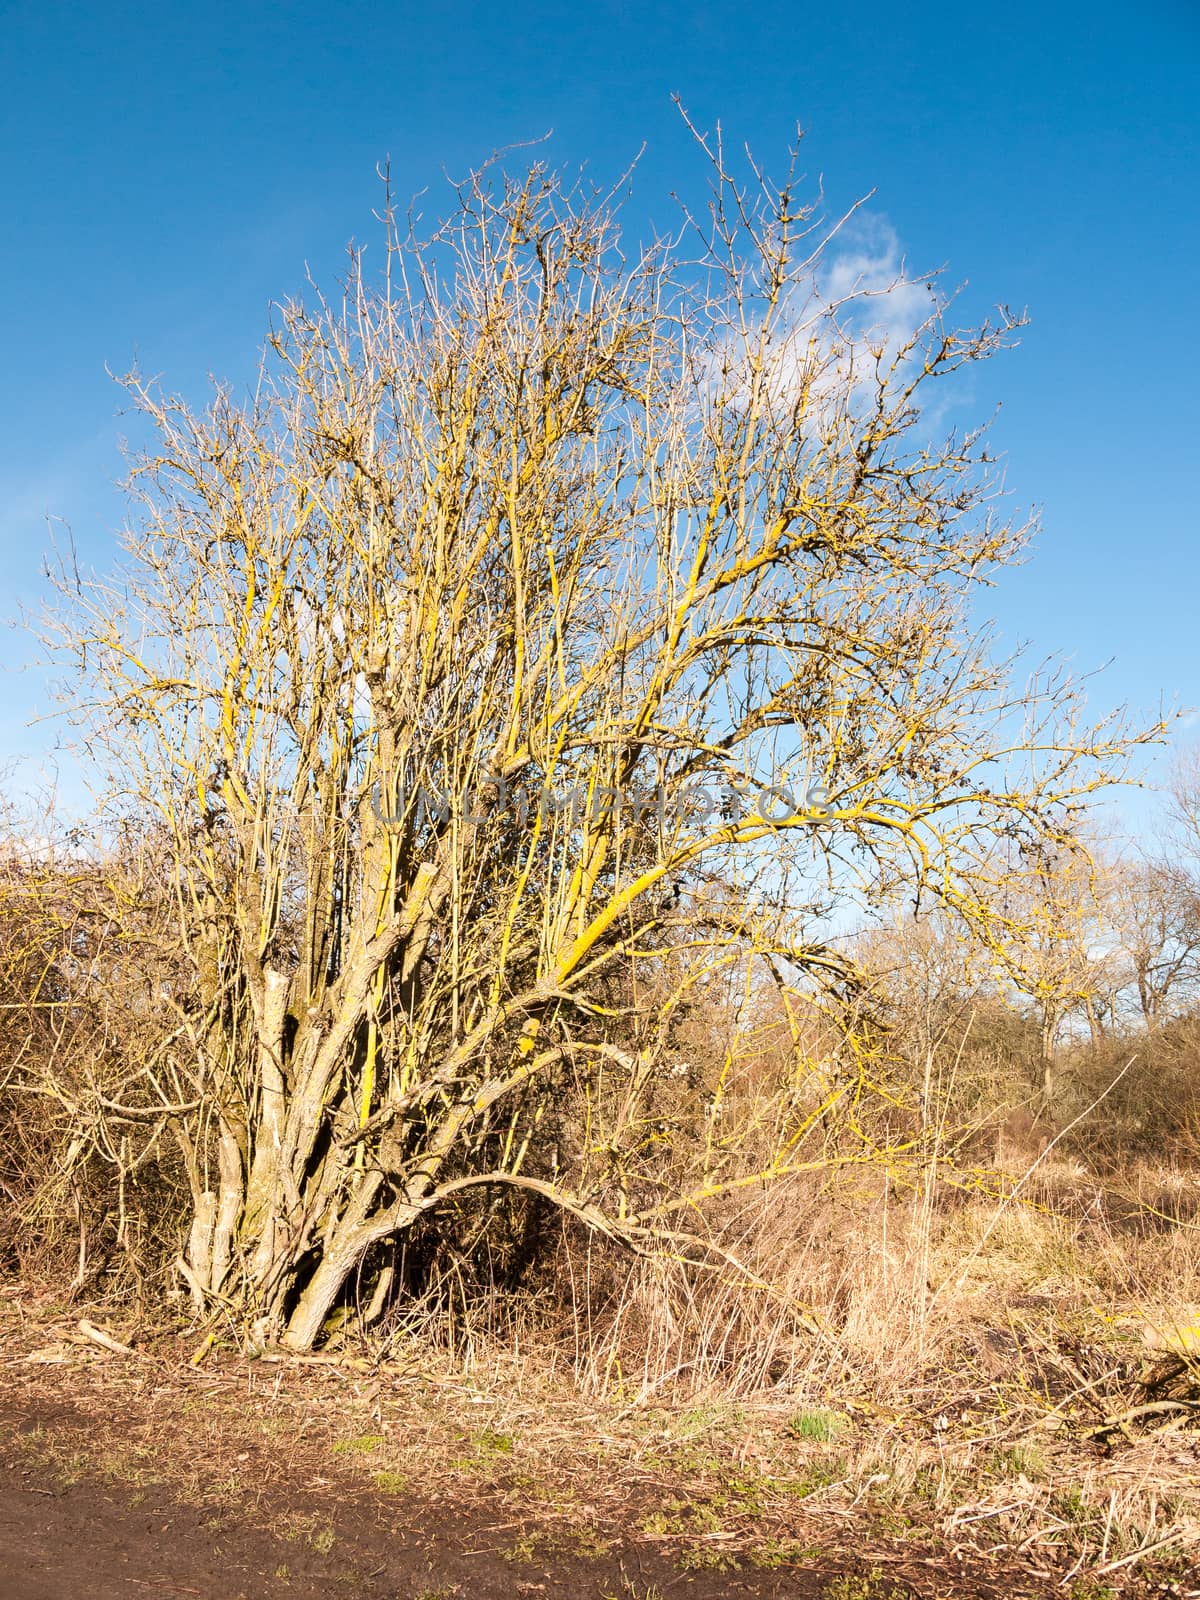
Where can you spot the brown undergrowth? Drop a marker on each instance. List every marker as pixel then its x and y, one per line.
pixel 1005 1384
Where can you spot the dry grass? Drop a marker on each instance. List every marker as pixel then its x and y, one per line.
pixel 943 1371
pixel 916 1353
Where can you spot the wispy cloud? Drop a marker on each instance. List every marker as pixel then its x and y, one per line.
pixel 863 287
pixel 841 328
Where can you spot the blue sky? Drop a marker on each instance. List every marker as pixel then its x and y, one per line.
pixel 167 171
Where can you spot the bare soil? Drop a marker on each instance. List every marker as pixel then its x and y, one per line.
pixel 90 1536
pixel 146 1474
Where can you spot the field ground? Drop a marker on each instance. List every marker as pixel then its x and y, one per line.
pixel 150 1474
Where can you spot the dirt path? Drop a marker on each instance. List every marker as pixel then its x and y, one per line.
pixel 83 1541
pixel 123 1477
pixel 69 1540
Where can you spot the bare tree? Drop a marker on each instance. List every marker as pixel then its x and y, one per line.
pixel 1183 806
pixel 518 610
pixel 1053 942
pixel 1156 910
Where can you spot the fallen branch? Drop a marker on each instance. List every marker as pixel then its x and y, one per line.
pixel 1135 1413
pixel 1175 1536
pixel 104 1340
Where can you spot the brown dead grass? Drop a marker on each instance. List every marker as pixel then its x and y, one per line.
pixel 928 1366
pixel 962 1382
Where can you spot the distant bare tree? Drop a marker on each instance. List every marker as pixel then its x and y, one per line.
pixel 1052 942
pixel 1183 806
pixel 1156 911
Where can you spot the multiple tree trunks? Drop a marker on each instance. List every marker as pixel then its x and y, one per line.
pixel 558 629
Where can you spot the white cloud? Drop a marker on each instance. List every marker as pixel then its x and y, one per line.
pixel 865 274
pixel 842 325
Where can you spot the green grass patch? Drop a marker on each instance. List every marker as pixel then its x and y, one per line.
pixel 819 1427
